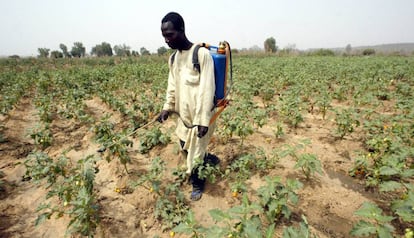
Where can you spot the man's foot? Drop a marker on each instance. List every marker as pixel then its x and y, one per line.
pixel 198 187
pixel 211 159
pixel 196 194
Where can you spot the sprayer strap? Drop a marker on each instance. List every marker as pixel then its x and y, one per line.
pixel 172 58
pixel 195 61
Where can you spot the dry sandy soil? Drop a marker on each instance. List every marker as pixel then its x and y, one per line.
pixel 328 201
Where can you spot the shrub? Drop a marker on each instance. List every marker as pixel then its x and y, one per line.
pixel 368 52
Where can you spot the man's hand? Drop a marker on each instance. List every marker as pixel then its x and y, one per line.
pixel 202 131
pixel 163 116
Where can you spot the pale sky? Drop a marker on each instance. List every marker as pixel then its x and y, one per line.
pixel 27 25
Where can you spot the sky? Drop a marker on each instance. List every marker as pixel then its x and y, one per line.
pixel 27 25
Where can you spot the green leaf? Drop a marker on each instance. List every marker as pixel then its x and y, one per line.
pixel 405 213
pixel 383 219
pixel 290 232
pixel 385 231
pixel 407 173
pixel 182 228
pixel 217 232
pixel 363 228
pixel 369 210
pixel 388 171
pixel 219 215
pixel 42 217
pixel 252 227
pixel 389 186
pixel 270 231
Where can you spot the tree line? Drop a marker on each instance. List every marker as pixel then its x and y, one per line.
pixel 78 50
pixel 269 46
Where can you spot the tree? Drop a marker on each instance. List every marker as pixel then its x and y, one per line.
pixel 64 50
pixel 43 52
pixel 270 45
pixel 144 51
pixel 122 50
pixel 135 53
pixel 162 50
pixel 368 51
pixel 348 49
pixel 78 50
pixel 104 49
pixel 56 54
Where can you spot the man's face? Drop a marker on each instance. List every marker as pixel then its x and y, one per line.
pixel 171 35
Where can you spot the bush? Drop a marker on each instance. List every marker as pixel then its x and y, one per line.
pixel 322 52
pixel 368 52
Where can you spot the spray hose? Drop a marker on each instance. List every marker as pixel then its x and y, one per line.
pixel 155 119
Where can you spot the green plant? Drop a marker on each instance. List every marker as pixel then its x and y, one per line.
pixel 404 207
pixel 45 108
pixel 42 136
pixel 346 122
pixel 104 129
pixel 302 231
pixel 274 197
pixel 206 170
pixel 116 143
pixel 309 164
pixel 387 171
pixel 380 225
pixel 189 226
pixel 279 131
pixel 84 213
pixel 74 190
pixel 260 117
pixel 323 102
pixel 239 171
pixel 118 147
pixel 39 166
pixel 239 221
pixel 151 138
pixel 290 109
pixel 170 206
pixel 235 122
pixel 152 180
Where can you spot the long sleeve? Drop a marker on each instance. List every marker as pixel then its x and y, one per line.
pixel 170 95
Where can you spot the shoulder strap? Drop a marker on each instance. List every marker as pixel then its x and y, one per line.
pixel 172 58
pixel 196 63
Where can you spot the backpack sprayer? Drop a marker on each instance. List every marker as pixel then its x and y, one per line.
pixel 223 74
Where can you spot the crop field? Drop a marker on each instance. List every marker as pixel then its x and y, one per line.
pixel 308 146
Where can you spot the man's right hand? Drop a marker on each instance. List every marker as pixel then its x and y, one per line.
pixel 163 116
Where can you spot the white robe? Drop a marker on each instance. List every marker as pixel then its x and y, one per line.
pixel 191 94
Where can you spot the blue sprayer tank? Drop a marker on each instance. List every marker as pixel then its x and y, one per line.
pixel 219 72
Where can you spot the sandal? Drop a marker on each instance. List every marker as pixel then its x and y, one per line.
pixel 196 195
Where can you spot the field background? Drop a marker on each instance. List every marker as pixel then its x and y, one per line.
pixel 352 114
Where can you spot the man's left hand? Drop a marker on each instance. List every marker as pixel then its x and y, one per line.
pixel 202 131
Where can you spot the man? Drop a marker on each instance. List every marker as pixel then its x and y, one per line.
pixel 190 94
